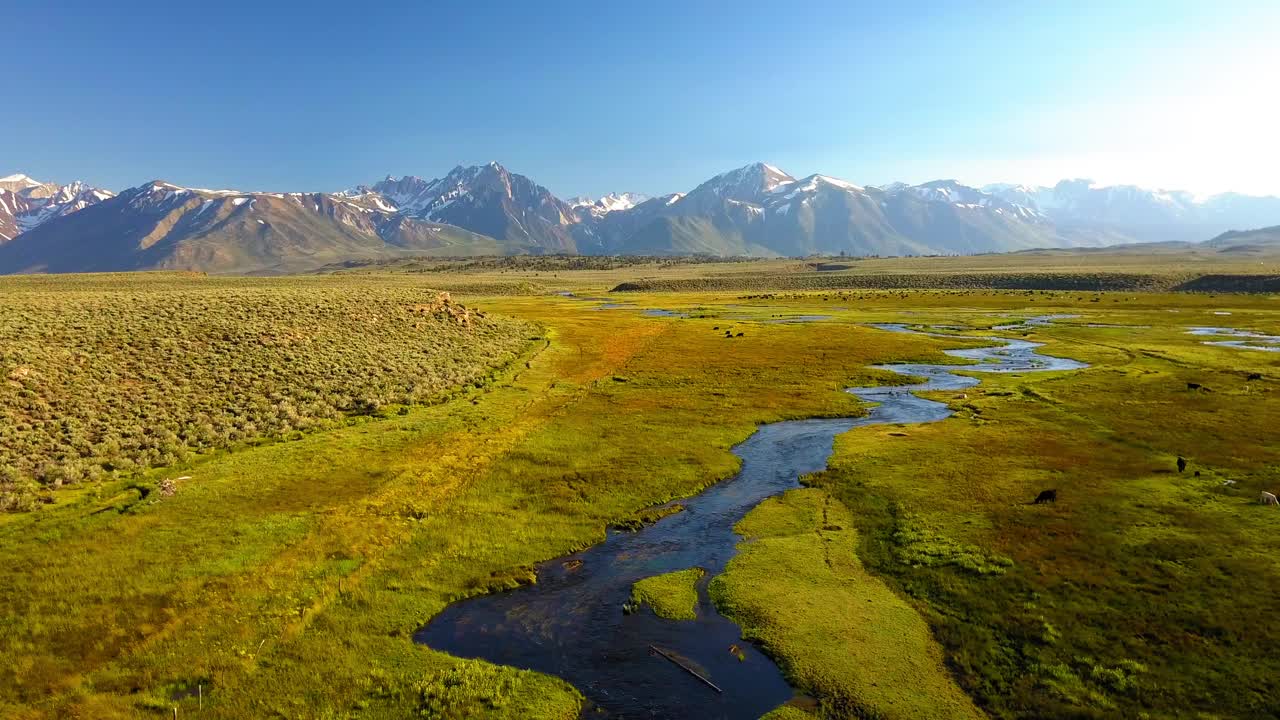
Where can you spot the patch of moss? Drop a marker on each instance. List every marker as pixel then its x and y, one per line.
pixel 673 595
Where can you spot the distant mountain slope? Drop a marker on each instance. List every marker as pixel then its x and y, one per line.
pixel 26 203
pixel 1246 243
pixel 163 226
pixel 486 199
pixel 1134 214
pixel 1261 241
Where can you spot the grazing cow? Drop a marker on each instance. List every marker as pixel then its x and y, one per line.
pixel 1194 386
pixel 1182 463
pixel 1268 499
pixel 1255 376
pixel 1046 496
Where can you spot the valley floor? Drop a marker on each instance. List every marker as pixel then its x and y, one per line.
pixel 286 580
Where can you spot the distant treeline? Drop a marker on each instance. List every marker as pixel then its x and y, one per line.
pixel 1081 282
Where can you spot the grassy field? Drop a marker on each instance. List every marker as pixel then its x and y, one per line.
pixel 1138 591
pixel 285 578
pixel 1147 268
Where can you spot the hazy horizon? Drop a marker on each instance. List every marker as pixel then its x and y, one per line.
pixel 650 99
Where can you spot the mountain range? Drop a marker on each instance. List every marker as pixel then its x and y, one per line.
pixel 487 210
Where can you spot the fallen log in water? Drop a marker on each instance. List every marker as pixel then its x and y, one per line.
pixel 686 668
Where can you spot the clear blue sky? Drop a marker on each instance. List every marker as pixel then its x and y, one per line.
pixel 648 96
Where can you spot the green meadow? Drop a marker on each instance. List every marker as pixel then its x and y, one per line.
pixel 280 569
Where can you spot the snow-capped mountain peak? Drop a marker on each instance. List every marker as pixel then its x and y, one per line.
pixel 18 182
pixel 613 202
pixel 1081 201
pixel 745 183
pixel 26 203
pixel 488 199
pixel 950 191
pixel 997 188
pixel 892 187
pixel 405 193
pixel 772 175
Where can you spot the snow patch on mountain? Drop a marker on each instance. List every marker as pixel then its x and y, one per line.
pixel 814 184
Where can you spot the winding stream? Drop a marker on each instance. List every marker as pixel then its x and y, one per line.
pixel 571 624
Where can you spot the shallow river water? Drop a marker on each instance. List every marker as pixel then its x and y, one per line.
pixel 571 623
pixel 1242 339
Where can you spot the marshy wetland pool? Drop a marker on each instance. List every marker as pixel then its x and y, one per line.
pixel 1242 339
pixel 571 624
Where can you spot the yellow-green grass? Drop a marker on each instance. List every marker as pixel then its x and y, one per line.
pixel 798 589
pixel 572 272
pixel 672 595
pixel 287 578
pixel 1138 593
pixel 1147 368
pixel 787 712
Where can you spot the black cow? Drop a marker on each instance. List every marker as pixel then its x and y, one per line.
pixel 1182 463
pixel 1046 496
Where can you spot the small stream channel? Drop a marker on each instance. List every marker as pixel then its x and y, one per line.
pixel 571 623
